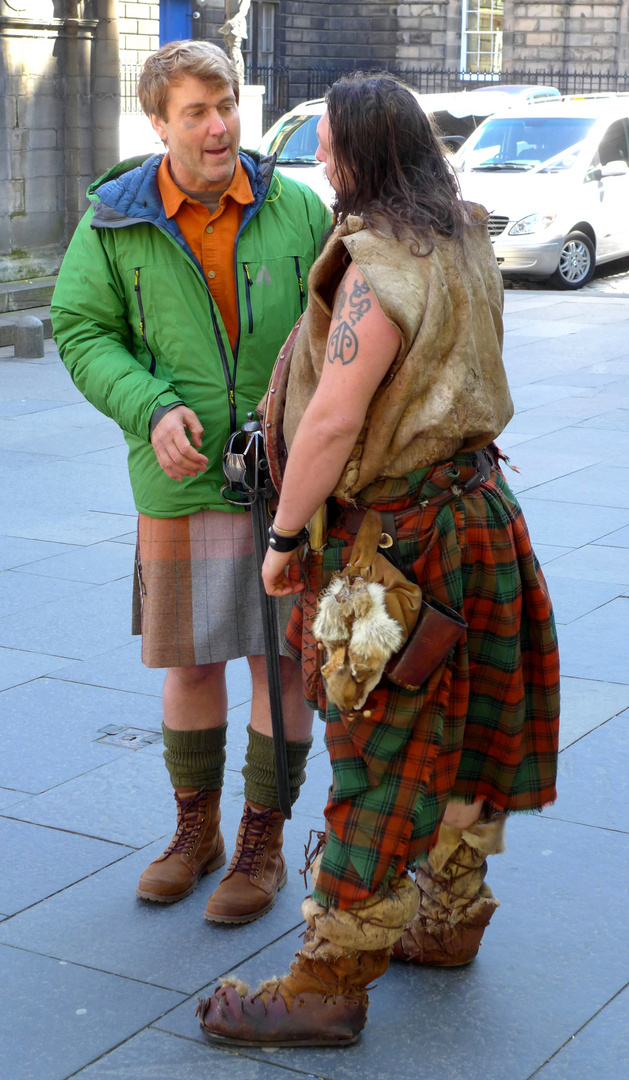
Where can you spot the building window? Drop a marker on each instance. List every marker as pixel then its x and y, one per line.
pixel 267 33
pixel 481 38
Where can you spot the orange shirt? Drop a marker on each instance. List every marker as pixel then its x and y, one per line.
pixel 211 236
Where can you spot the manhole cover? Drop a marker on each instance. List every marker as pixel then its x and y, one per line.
pixel 129 737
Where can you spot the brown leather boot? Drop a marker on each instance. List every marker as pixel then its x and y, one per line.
pixel 257 871
pixel 322 1001
pixel 197 848
pixel 455 904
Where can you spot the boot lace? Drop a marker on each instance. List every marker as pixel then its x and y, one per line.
pixel 190 819
pixel 311 852
pixel 253 835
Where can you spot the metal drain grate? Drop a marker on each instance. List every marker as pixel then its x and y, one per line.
pixel 129 737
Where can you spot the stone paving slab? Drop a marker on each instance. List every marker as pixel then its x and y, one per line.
pixel 155 1055
pixel 598 765
pixel 122 669
pixel 77 632
pixel 57 1017
pixel 21 666
pixel 595 646
pixel 64 722
pixel 62 858
pixel 96 564
pixel 599 1049
pixel 586 704
pixel 22 592
pixel 100 923
pixel 16 551
pixel 540 975
pixel 591 486
pixel 571 524
pixel 70 528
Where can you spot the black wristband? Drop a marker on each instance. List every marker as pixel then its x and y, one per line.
pixel 286 543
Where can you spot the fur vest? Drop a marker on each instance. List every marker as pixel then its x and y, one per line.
pixel 447 389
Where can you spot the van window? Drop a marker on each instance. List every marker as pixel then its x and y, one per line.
pixel 614 146
pixel 296 140
pixel 522 143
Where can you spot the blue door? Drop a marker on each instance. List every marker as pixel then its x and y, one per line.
pixel 175 20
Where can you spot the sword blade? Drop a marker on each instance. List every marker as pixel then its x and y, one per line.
pixel 270 628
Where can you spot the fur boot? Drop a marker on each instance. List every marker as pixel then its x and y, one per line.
pixel 455 904
pixel 322 1000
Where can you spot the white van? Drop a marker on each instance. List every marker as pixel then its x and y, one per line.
pixel 294 136
pixel 555 180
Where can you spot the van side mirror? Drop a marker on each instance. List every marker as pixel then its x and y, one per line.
pixel 613 168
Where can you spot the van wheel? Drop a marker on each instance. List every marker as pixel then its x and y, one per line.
pixel 577 262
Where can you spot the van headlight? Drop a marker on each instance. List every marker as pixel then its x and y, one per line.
pixel 531 224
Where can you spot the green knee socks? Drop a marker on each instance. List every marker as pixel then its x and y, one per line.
pixel 259 771
pixel 195 759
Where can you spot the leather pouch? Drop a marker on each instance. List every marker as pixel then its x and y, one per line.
pixel 437 630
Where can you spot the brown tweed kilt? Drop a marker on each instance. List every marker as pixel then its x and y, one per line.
pixel 197 591
pixel 485 724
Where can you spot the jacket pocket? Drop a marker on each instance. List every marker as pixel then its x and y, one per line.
pixel 248 284
pixel 300 283
pixel 138 296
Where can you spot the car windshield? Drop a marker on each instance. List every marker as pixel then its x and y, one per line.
pixel 296 141
pixel 519 144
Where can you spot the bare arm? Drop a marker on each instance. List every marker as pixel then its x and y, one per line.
pixel 361 347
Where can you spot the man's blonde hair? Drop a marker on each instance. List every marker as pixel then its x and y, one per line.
pixel 170 64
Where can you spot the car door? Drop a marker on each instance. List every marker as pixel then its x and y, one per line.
pixel 611 193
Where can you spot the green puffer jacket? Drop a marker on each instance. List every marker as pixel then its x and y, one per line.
pixel 137 328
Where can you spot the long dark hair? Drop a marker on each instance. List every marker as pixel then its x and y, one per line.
pixel 389 161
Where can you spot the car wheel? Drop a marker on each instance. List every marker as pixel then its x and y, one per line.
pixel 577 262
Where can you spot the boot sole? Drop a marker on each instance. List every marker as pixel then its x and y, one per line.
pixel 159 898
pixel 225 1040
pixel 240 919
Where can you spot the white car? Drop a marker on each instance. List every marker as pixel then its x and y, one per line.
pixel 294 136
pixel 555 180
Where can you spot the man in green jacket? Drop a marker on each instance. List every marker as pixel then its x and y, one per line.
pixel 177 291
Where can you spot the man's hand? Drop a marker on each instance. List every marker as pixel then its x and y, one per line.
pixel 172 445
pixel 281 573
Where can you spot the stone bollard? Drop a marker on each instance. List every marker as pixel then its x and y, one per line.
pixel 28 340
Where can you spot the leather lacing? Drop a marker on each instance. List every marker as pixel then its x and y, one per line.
pixel 253 834
pixel 190 820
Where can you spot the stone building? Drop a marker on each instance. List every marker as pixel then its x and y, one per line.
pixel 59 94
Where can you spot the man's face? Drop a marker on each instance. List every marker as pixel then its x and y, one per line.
pixel 202 133
pixel 324 152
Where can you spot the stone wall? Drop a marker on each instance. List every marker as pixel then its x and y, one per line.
pixel 138 27
pixel 565 36
pixel 348 35
pixel 59 125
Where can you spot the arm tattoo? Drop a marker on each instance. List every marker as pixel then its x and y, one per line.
pixel 359 301
pixel 342 344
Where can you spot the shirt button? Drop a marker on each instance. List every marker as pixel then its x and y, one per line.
pixel 211 274
pixel 209 228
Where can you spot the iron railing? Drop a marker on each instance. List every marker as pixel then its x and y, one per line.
pixel 277 78
pixel 276 82
pixel 443 80
pixel 274 78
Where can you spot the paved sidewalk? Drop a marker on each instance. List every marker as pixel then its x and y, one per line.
pixel 99 985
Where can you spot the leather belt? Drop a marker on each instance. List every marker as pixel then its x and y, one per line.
pixel 351 517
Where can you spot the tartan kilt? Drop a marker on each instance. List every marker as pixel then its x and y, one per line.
pixel 484 726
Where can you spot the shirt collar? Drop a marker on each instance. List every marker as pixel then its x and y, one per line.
pixel 172 196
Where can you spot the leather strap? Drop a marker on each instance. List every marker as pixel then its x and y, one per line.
pixel 273 421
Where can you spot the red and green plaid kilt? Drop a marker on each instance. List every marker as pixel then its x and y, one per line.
pixel 485 724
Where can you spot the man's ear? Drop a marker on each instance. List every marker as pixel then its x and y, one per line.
pixel 158 126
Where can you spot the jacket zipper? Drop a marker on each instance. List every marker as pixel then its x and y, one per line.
pixel 248 284
pixel 300 282
pixel 138 293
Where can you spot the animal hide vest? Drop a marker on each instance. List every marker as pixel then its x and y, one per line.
pixel 447 390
